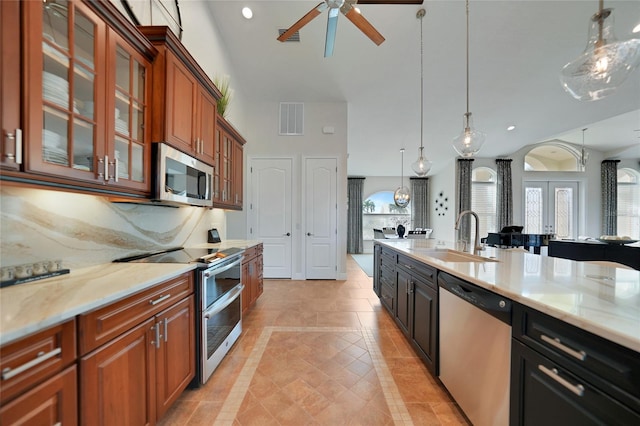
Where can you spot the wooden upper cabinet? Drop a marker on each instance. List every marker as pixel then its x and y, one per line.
pixel 11 147
pixel 184 98
pixel 228 179
pixel 85 96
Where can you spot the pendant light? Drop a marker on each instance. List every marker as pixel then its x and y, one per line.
pixel 470 140
pixel 605 63
pixel 401 197
pixel 584 155
pixel 422 165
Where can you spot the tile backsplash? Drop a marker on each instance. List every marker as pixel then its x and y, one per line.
pixel 84 230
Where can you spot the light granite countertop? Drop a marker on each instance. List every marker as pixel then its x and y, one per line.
pixel 30 307
pixel 603 300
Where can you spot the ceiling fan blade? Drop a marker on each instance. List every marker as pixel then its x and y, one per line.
pixel 365 26
pixel 390 1
pixel 303 21
pixel 332 26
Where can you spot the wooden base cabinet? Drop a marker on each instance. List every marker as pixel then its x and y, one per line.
pixel 116 381
pixel 562 375
pixel 135 377
pixel 417 308
pixel 54 402
pixel 252 278
pixel 39 381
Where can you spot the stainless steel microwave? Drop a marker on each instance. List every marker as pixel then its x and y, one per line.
pixel 181 178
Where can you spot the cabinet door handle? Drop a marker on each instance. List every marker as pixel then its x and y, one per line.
pixel 17 138
pixel 156 329
pixel 8 372
pixel 553 373
pixel 555 342
pixel 106 168
pixel 159 299
pixel 116 164
pixel 166 321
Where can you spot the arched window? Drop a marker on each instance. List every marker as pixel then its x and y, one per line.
pixel 483 199
pixel 628 203
pixel 379 211
pixel 553 157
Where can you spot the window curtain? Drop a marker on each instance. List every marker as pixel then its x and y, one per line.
pixel 354 214
pixel 504 194
pixel 420 202
pixel 464 197
pixel 609 194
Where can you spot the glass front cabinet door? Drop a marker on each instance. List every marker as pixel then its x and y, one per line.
pixel 85 99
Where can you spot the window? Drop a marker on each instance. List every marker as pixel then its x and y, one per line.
pixel 379 211
pixel 628 203
pixel 483 199
pixel 553 157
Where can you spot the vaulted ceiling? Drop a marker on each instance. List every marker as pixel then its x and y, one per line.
pixel 517 49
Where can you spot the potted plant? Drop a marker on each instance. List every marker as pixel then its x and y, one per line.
pixel 222 83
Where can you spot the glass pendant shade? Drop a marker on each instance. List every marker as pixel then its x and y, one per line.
pixel 470 140
pixel 604 65
pixel 422 165
pixel 401 196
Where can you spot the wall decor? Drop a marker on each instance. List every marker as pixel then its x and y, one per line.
pixel 155 12
pixel 442 204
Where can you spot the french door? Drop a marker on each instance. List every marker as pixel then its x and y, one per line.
pixel 551 208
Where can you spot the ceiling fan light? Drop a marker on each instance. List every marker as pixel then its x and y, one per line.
pixel 422 165
pixel 604 65
pixel 469 142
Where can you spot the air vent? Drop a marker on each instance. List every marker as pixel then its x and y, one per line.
pixel 294 37
pixel 291 118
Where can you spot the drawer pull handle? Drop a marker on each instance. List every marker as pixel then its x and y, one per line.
pixel 553 373
pixel 160 299
pixel 8 373
pixel 555 342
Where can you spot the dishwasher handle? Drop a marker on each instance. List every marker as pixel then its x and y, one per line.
pixel 494 304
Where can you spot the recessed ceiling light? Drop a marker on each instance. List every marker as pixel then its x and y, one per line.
pixel 510 128
pixel 636 29
pixel 247 12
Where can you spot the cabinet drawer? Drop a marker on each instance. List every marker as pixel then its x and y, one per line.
pixel 98 327
pixel 426 272
pixel 251 252
pixel 53 402
pixel 34 358
pixel 601 361
pixel 553 395
pixel 387 296
pixel 388 256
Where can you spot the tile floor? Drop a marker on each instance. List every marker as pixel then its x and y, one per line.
pixel 318 353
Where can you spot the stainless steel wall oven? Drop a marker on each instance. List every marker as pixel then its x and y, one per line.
pixel 220 313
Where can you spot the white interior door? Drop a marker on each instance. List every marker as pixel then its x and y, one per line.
pixel 551 208
pixel 320 218
pixel 270 210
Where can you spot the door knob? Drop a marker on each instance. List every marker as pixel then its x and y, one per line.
pixel 288 234
pixel 309 234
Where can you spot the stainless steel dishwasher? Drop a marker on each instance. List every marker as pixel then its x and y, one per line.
pixel 475 349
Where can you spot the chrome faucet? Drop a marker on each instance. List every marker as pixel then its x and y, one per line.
pixel 477 247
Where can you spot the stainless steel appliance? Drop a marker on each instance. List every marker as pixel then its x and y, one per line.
pixel 475 349
pixel 218 300
pixel 180 178
pixel 220 315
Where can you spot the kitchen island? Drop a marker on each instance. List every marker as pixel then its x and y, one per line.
pixel 567 352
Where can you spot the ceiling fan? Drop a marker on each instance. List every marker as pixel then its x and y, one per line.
pixel 348 9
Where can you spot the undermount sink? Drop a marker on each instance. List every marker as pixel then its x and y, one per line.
pixel 447 255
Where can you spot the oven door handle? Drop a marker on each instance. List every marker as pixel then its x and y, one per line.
pixel 217 269
pixel 225 301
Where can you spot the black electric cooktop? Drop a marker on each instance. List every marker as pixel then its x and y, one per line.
pixel 180 255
